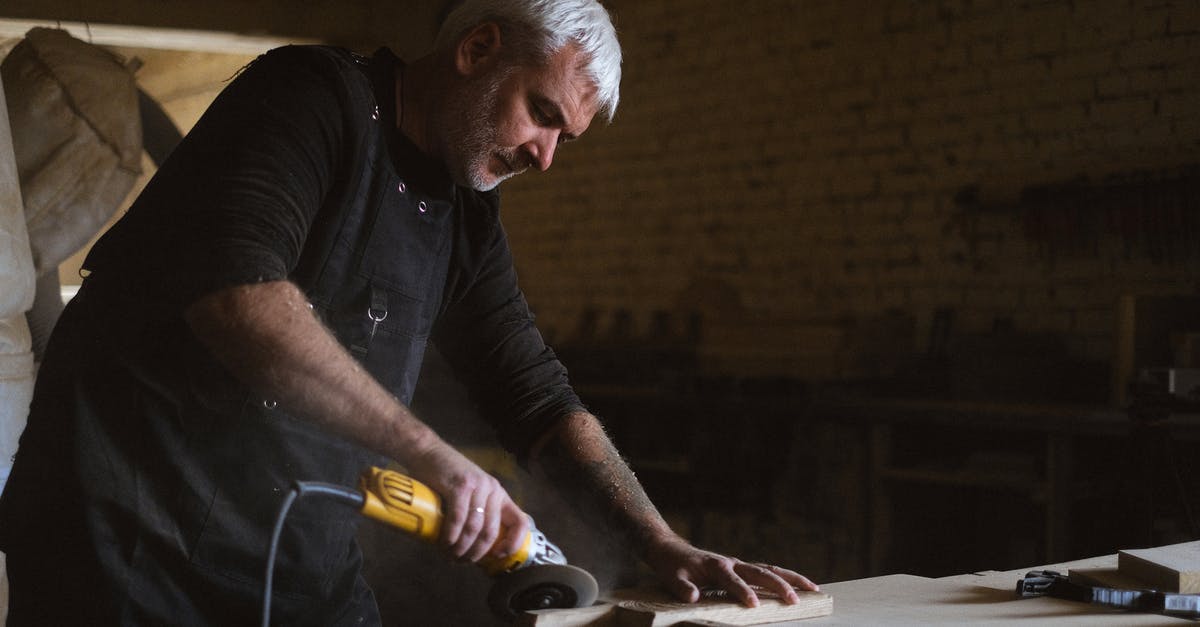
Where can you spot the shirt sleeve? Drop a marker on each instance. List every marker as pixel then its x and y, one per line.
pixel 234 201
pixel 490 339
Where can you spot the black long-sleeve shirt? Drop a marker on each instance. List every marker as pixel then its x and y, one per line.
pixel 238 199
pixel 174 470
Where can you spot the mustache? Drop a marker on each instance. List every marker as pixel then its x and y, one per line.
pixel 516 161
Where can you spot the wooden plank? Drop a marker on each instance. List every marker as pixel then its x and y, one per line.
pixel 640 607
pixel 601 615
pixel 658 611
pixel 1172 568
pixel 1106 577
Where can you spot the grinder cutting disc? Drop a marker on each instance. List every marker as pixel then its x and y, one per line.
pixel 540 587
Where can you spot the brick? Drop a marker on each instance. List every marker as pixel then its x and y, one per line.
pixel 926 134
pixel 1056 118
pixel 885 139
pixel 1008 75
pixel 1042 32
pixel 1064 92
pixel 855 96
pixel 1179 105
pixel 954 83
pixel 853 184
pixel 1083 64
pixel 1151 22
pixel 1184 18
pixel 1153 52
pixel 1152 81
pixel 1113 86
pixel 1100 23
pixel 1124 111
pixel 978 29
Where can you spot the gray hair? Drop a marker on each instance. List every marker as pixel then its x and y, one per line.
pixel 544 27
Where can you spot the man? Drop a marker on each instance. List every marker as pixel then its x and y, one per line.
pixel 260 316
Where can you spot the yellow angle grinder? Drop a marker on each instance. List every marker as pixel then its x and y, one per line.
pixel 535 577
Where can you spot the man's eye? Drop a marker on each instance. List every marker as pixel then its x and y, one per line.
pixel 540 116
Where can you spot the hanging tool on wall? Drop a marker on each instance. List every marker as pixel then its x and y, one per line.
pixel 1038 583
pixel 536 577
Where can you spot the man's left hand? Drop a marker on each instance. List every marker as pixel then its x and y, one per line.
pixel 685 569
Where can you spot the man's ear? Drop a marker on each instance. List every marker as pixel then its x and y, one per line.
pixel 478 49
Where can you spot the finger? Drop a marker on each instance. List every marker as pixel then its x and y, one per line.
pixel 682 588
pixel 476 515
pixel 765 577
pixel 455 510
pixel 489 529
pixel 728 579
pixel 794 578
pixel 514 526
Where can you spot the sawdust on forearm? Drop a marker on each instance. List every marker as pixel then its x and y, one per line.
pixel 582 463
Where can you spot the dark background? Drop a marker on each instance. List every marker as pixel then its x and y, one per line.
pixel 859 287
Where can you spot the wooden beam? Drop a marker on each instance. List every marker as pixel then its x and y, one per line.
pixel 653 613
pixel 156 38
pixel 641 607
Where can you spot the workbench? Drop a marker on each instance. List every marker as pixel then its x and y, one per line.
pixel 984 598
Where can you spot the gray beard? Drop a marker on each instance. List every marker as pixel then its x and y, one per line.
pixel 470 134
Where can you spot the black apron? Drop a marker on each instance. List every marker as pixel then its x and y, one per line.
pixel 171 472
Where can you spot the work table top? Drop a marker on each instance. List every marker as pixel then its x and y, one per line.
pixel 985 598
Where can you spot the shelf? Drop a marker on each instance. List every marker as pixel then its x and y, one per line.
pixel 1035 488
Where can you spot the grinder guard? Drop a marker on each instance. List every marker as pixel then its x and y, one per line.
pixel 540 587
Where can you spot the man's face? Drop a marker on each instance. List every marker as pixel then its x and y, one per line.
pixel 512 118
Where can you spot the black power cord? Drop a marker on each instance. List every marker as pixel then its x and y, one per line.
pixel 299 489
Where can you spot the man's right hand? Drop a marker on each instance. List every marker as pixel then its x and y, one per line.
pixel 477 512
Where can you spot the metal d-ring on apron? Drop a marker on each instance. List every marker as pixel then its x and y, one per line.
pixel 376 312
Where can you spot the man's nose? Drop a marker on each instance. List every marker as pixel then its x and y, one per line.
pixel 541 149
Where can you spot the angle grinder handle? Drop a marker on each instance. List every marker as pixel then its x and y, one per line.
pixel 407 504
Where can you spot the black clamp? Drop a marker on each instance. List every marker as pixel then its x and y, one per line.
pixel 1038 583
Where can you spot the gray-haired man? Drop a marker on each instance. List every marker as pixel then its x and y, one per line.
pixel 260 316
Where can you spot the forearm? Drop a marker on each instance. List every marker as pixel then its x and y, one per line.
pixel 583 463
pixel 584 466
pixel 267 335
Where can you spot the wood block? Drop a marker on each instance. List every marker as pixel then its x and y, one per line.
pixel 1172 568
pixel 1106 577
pixel 640 607
pixel 659 612
pixel 600 615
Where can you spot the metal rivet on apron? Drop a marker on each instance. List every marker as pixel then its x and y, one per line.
pixel 270 404
pixel 421 207
pixel 401 187
pixel 375 113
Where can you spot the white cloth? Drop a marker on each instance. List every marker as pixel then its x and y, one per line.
pixel 17 281
pixel 16 388
pixel 77 137
pixel 17 278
